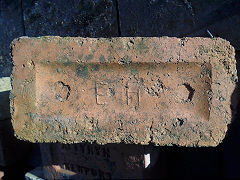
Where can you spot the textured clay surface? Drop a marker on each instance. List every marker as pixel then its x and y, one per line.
pixel 163 91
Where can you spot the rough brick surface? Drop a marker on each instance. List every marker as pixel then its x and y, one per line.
pixel 133 90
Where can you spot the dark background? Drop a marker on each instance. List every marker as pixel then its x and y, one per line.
pixel 121 18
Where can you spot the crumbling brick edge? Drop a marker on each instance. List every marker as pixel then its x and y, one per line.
pixel 218 52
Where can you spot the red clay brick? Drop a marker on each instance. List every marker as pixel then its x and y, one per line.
pixel 133 90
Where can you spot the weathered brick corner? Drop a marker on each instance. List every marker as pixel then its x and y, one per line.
pixel 133 90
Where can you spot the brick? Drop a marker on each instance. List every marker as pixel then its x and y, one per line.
pixel 87 160
pixel 56 172
pixel 163 91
